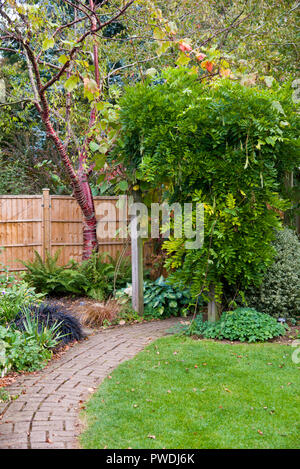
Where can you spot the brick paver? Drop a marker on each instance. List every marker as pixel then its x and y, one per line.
pixel 45 414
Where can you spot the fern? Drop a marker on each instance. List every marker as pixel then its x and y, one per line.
pixel 94 277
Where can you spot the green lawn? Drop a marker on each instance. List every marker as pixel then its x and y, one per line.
pixel 198 394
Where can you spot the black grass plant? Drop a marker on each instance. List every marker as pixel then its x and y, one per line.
pixel 65 327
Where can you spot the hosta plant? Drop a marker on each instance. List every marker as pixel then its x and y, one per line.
pixel 161 300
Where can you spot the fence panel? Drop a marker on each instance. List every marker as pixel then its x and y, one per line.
pixel 21 229
pixel 48 223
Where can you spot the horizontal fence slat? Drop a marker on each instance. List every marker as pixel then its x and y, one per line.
pixel 21 221
pixel 66 244
pixel 70 197
pixel 21 197
pixel 14 270
pixel 66 221
pixel 20 245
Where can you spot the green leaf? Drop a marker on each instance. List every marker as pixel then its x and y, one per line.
pixel 151 72
pixel 182 59
pixel 71 83
pixel 276 105
pixel 94 146
pixel 269 81
pixel 123 185
pixel 100 162
pixel 48 43
pixel 63 59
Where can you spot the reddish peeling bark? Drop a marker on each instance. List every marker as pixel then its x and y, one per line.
pixel 82 193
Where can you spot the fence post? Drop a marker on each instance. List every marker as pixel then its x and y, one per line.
pixel 46 226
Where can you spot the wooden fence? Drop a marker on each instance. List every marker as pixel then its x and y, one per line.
pixel 44 223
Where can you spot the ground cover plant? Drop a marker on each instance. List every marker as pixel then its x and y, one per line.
pixel 242 324
pixel 43 318
pixel 29 340
pixel 182 393
pixel 26 350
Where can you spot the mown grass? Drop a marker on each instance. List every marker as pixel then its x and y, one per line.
pixel 181 393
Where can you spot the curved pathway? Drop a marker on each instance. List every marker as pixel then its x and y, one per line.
pixel 45 413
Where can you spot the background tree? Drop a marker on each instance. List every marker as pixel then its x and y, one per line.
pixel 34 28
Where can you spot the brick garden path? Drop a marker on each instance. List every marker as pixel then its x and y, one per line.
pixel 45 415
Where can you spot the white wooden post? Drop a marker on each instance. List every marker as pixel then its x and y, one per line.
pixel 137 263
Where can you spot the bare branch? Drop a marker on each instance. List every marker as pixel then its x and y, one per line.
pixel 32 81
pixel 83 10
pixel 120 13
pixel 67 25
pixel 13 103
pixel 228 29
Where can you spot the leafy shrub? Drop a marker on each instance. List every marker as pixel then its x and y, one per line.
pixel 46 333
pixel 243 324
pixel 6 277
pixel 23 351
pixel 13 298
pixel 160 299
pixel 95 277
pixel 279 293
pixel 28 342
pixel 104 274
pixel 221 144
pixel 4 395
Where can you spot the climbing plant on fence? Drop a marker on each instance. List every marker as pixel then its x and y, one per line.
pixel 222 144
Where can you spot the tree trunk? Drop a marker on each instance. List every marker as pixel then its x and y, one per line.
pixel 213 309
pixel 90 242
pixel 82 193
